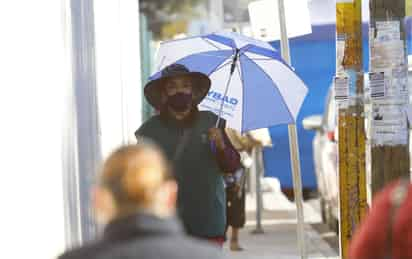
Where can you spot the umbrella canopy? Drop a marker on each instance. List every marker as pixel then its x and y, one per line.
pixel 252 87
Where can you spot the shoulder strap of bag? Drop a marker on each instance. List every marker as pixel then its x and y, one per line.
pixel 184 139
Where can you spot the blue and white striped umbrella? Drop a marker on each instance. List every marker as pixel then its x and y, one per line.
pixel 252 87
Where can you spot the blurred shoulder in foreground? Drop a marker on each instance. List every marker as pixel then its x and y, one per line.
pixel 136 200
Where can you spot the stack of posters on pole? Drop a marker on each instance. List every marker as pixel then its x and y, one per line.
pixel 388 85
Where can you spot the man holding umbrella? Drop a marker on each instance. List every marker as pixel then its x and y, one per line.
pixel 200 152
pixel 253 87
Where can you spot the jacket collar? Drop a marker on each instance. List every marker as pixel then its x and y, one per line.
pixel 141 225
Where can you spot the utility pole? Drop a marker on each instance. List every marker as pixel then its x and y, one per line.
pixel 349 89
pixel 293 141
pixel 389 93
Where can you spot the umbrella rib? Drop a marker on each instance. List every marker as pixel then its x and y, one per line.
pixel 228 62
pixel 245 50
pixel 268 59
pixel 264 72
pixel 263 58
pixel 220 66
pixel 210 43
pixel 206 54
pixel 243 95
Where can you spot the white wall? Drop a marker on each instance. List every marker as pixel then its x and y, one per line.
pixel 118 71
pixel 38 98
pixel 32 80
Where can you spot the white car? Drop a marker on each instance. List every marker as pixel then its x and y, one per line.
pixel 325 152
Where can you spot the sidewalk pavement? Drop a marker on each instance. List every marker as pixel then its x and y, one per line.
pixel 279 224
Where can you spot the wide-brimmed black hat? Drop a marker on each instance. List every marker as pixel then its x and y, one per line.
pixel 200 83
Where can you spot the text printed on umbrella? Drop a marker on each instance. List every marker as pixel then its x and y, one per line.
pixel 219 97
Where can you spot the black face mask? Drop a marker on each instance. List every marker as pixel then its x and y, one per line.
pixel 180 102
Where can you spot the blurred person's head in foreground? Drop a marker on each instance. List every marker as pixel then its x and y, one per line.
pixel 136 198
pixel 386 232
pixel 135 179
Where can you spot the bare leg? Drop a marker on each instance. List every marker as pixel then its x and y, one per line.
pixel 234 240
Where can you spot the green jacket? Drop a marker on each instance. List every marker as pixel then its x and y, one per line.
pixel 201 195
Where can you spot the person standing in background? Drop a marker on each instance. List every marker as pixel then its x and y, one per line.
pixel 236 186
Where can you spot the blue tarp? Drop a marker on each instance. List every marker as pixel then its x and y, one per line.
pixel 314 58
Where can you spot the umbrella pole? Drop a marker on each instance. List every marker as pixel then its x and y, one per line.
pixel 293 142
pixel 232 70
pixel 223 101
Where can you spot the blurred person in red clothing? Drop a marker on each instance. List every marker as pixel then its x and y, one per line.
pixel 386 231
